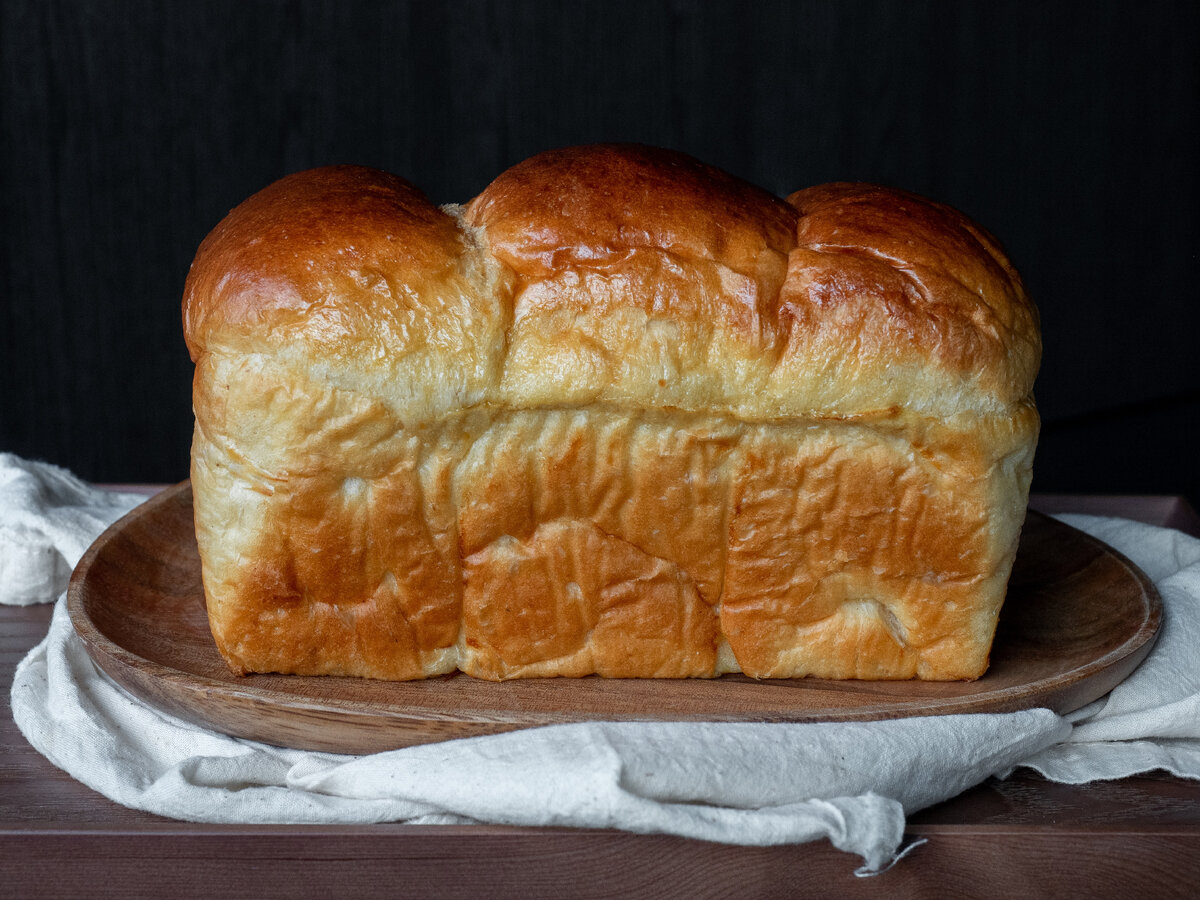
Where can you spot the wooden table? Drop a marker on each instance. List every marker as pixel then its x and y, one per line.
pixel 1020 837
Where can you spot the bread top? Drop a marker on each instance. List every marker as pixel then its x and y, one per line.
pixel 620 275
pixel 911 285
pixel 593 206
pixel 353 276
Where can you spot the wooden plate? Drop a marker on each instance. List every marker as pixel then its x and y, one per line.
pixel 1078 619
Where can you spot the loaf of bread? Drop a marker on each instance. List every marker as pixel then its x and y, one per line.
pixel 622 414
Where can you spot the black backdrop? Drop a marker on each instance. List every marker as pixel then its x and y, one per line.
pixel 1069 129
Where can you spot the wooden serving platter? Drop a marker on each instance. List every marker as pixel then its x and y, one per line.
pixel 1078 619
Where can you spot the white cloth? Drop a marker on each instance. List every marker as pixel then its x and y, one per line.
pixel 1152 719
pixel 746 784
pixel 48 518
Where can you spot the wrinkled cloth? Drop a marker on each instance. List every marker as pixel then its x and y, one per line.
pixel 48 518
pixel 1152 719
pixel 755 784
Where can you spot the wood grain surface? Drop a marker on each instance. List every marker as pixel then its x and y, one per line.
pixel 1078 619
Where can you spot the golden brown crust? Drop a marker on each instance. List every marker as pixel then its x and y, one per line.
pixel 910 283
pixel 354 277
pixel 906 533
pixel 591 206
pixel 623 414
pixel 304 241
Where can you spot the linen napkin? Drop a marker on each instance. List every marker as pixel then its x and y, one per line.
pixel 852 783
pixel 48 519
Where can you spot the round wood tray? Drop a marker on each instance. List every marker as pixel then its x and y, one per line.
pixel 1078 619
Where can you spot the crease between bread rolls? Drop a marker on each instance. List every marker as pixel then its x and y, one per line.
pixel 621 414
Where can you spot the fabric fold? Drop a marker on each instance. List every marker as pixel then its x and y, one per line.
pixel 48 519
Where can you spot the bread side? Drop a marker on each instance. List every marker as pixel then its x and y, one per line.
pixel 572 542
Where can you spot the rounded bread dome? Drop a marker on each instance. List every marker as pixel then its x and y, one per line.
pixel 626 275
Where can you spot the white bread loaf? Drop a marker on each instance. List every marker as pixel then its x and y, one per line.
pixel 622 414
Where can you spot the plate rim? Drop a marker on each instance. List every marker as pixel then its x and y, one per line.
pixel 105 652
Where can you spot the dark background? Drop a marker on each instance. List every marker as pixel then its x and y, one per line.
pixel 128 129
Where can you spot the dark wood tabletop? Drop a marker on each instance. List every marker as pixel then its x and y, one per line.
pixel 1022 836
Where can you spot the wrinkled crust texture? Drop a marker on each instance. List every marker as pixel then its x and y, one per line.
pixel 622 414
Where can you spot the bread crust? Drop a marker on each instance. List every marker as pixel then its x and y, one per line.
pixel 621 414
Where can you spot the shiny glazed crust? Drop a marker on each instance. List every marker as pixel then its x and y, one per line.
pixel 622 414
